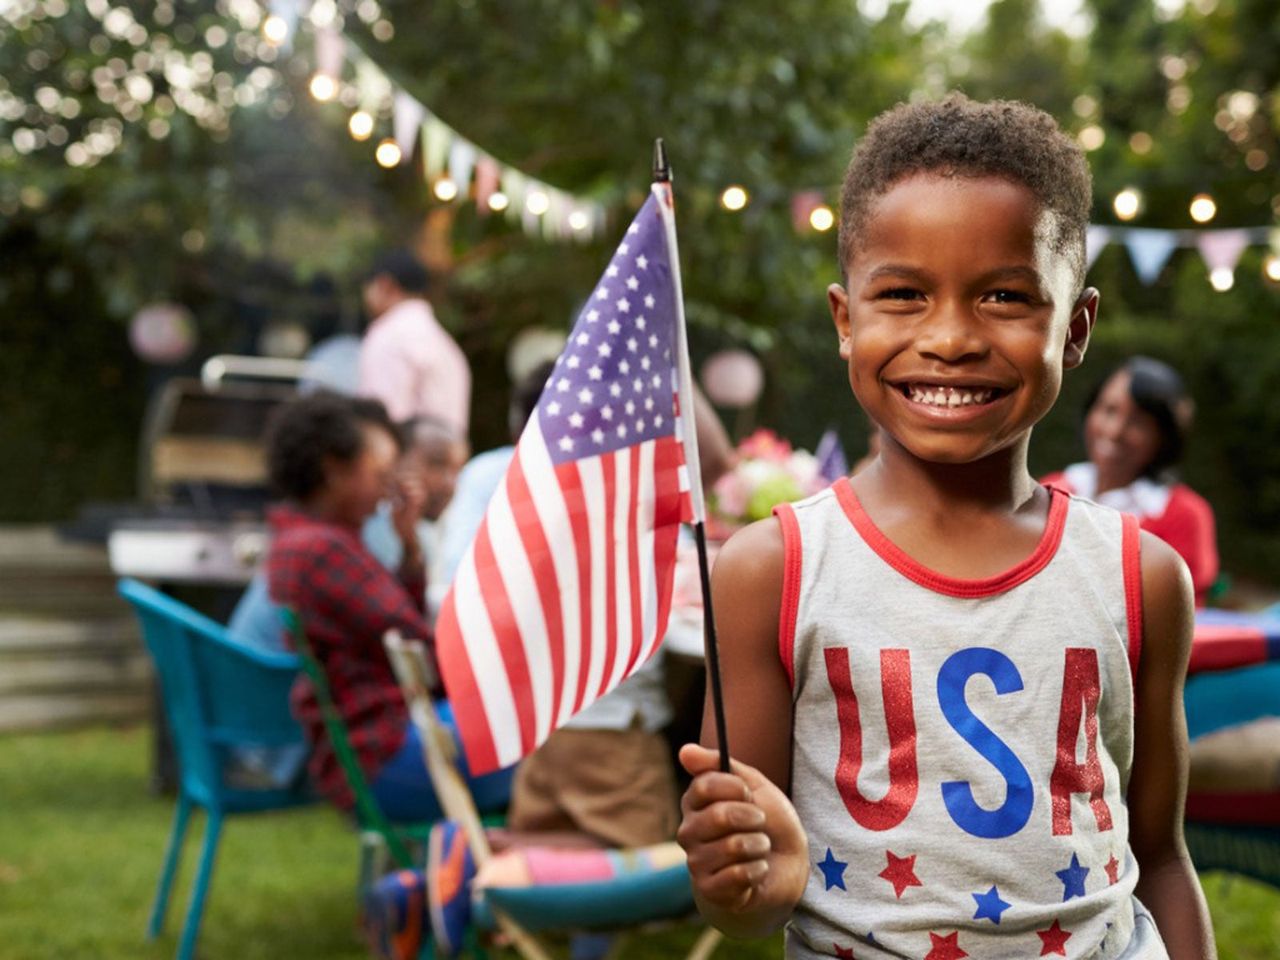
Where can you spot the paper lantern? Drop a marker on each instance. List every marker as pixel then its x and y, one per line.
pixel 733 378
pixel 163 333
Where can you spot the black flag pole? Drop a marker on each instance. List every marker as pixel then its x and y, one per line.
pixel 662 174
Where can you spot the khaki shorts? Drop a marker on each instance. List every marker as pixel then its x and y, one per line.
pixel 615 785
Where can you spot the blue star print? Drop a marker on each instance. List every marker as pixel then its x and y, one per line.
pixel 1072 879
pixel 833 871
pixel 990 906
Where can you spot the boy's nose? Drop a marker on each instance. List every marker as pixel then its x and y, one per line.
pixel 951 334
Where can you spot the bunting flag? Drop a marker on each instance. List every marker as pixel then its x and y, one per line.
pixel 1221 249
pixel 406 122
pixel 566 588
pixel 1149 250
pixel 1095 238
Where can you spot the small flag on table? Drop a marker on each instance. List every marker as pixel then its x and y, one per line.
pixel 566 588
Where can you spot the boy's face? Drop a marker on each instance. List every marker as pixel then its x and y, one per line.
pixel 958 317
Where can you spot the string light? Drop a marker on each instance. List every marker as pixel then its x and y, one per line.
pixel 1202 208
pixel 1092 137
pixel 1127 203
pixel 578 220
pixel 821 218
pixel 498 201
pixel 537 203
pixel 388 153
pixel 734 198
pixel 323 87
pixel 445 189
pixel 275 30
pixel 1271 267
pixel 1222 278
pixel 360 125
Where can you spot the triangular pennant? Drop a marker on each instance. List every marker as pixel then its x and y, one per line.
pixel 372 85
pixel 436 137
pixel 406 121
pixel 331 51
pixel 288 11
pixel 1095 238
pixel 1221 249
pixel 462 159
pixel 487 175
pixel 1149 249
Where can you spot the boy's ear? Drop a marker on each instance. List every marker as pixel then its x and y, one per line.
pixel 838 300
pixel 1083 316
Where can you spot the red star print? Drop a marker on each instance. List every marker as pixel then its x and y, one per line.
pixel 846 952
pixel 901 872
pixel 1113 869
pixel 1054 940
pixel 945 948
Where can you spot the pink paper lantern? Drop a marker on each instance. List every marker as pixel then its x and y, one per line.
pixel 163 333
pixel 733 378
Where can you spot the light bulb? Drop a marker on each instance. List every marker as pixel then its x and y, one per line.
pixel 1222 278
pixel 445 189
pixel 388 153
pixel 1203 209
pixel 537 203
pixel 734 198
pixel 498 201
pixel 1127 203
pixel 360 125
pixel 822 218
pixel 323 87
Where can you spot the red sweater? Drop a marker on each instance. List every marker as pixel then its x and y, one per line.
pixel 1186 524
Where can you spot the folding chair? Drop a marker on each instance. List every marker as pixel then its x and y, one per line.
pixel 670 893
pixel 406 844
pixel 218 696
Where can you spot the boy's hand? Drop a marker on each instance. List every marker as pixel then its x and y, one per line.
pixel 748 855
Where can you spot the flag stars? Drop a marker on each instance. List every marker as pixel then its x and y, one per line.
pixel 641 322
pixel 630 407
pixel 657 382
pixel 615 389
pixel 594 372
pixel 657 422
pixel 640 426
pixel 623 305
pixel 622 431
pixel 624 367
pixel 644 363
pixel 648 403
pixel 602 293
pixel 606 412
pixel 631 231
pixel 633 283
pixel 553 408
pixel 585 395
pixel 575 420
pixel 632 344
pixel 614 327
pixel 945 948
pixel 604 350
pixel 637 384
pixel 642 262
pixel 566 444
pixel 597 436
pixel 612 270
pixel 583 339
pixel 593 315
pixel 625 247
pixel 573 362
pixel 562 385
pixel 653 341
pixel 649 301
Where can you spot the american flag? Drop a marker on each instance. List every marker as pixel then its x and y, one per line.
pixel 566 588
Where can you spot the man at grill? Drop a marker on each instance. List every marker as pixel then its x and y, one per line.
pixel 334 459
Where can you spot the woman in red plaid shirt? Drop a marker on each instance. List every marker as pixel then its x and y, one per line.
pixel 334 458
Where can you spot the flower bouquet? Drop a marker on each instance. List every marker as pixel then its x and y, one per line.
pixel 768 472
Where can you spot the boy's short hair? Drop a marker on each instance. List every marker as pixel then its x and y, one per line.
pixel 304 432
pixel 959 137
pixel 404 268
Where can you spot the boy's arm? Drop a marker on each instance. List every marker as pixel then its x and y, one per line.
pixel 748 855
pixel 1167 883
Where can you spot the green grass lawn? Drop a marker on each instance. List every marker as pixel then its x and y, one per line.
pixel 81 841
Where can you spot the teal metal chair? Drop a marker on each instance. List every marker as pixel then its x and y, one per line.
pixel 219 697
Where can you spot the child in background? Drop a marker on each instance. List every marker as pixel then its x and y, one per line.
pixel 953 695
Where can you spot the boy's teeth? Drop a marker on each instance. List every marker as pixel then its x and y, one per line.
pixel 949 396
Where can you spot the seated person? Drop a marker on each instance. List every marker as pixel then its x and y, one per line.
pixel 334 459
pixel 1135 427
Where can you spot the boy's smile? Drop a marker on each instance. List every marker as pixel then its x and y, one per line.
pixel 957 319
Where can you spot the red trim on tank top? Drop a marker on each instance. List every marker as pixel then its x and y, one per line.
pixel 1131 563
pixel 917 572
pixel 788 614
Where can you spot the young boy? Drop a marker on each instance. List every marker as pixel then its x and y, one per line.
pixel 953 696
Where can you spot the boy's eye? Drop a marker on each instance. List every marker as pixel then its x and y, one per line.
pixel 1008 296
pixel 899 293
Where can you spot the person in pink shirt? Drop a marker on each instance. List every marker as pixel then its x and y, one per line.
pixel 407 359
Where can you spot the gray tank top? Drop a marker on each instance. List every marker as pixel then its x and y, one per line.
pixel 962 748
